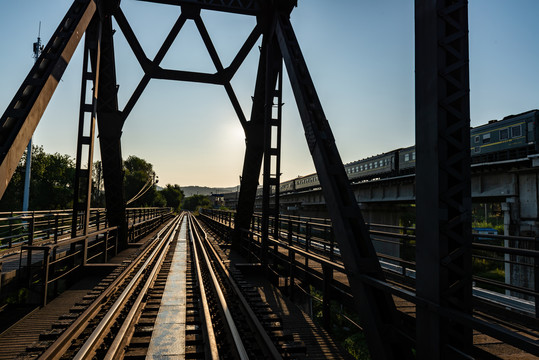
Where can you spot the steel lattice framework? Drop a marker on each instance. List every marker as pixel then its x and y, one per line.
pixel 443 174
pixel 443 177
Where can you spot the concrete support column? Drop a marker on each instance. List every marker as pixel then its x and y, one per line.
pixel 521 218
pixel 522 273
pixel 510 214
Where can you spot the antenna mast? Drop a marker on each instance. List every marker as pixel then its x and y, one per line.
pixel 37 45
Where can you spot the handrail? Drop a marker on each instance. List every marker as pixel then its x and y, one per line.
pixel 251 243
pixel 313 238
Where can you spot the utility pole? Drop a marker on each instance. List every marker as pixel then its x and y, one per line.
pixel 37 48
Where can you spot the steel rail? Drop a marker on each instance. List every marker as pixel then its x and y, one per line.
pixel 212 342
pixel 95 339
pixel 121 338
pixel 238 342
pixel 61 344
pixel 268 343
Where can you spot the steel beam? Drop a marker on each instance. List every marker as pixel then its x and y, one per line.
pixel 243 52
pixel 220 69
pixel 376 307
pixel 254 152
pixel 110 122
pixel 443 251
pixel 25 110
pixel 254 135
pixel 246 7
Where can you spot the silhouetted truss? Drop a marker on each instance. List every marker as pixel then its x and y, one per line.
pixel 386 337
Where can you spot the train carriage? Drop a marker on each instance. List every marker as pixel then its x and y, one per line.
pixel 373 167
pixel 407 160
pixel 514 136
pixel 307 182
pixel 287 186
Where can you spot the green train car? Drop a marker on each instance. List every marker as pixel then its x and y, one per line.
pixel 511 138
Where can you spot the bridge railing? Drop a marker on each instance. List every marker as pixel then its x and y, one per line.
pixel 52 265
pixel 44 264
pixel 497 259
pixel 18 228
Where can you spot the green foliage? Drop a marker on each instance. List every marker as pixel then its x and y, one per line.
pixel 356 345
pixel 194 202
pixel 12 199
pixel 19 297
pixel 497 274
pixel 139 179
pixel 173 196
pixel 350 337
pixel 53 176
pixel 50 185
pixel 98 192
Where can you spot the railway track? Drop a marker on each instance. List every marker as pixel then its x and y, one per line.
pixel 176 298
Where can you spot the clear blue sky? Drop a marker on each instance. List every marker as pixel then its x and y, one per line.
pixel 360 54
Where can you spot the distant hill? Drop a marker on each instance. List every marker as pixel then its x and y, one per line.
pixel 204 190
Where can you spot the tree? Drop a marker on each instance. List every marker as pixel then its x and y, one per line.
pixel 98 187
pixel 140 180
pixel 194 202
pixel 50 184
pixel 12 199
pixel 52 178
pixel 173 196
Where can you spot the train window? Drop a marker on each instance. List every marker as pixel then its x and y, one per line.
pixel 476 139
pixel 515 131
pixel 413 155
pixel 486 138
pixel 477 149
pixel 504 134
pixel 406 157
pixel 530 126
pixel 381 163
pixel 370 166
pixel 357 168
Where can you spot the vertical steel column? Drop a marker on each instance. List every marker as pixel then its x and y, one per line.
pixel 254 146
pixel 272 143
pixel 443 251
pixel 85 143
pixel 110 122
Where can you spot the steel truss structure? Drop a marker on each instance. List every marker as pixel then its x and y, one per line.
pixel 443 177
pixel 442 123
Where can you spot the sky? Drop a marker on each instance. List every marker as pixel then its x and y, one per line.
pixel 360 54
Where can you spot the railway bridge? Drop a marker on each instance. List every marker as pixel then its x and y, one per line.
pixel 444 321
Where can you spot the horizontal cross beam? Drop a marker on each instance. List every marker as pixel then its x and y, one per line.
pixel 246 7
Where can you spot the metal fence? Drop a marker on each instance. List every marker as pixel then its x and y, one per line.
pixel 48 254
pixel 306 249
